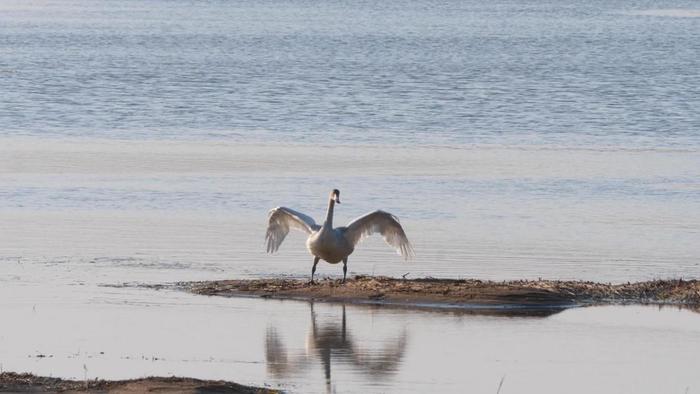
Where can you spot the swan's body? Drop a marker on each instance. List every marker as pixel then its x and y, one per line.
pixel 335 244
pixel 330 245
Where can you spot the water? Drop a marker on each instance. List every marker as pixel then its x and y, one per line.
pixel 514 140
pixel 144 141
pixel 126 333
pixel 471 211
pixel 603 72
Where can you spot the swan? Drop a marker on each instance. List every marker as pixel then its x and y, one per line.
pixel 335 244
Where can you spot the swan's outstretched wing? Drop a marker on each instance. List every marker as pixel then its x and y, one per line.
pixel 280 219
pixel 383 223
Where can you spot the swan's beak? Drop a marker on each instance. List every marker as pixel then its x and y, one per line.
pixel 337 200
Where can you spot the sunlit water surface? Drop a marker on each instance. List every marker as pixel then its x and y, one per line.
pixel 145 141
pixel 513 139
pixel 620 72
pixel 485 211
pixel 80 216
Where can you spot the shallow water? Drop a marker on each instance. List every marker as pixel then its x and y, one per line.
pixel 302 347
pixel 485 211
pixel 527 139
pixel 144 141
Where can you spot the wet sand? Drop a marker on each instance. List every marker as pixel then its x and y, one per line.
pixel 466 293
pixel 28 383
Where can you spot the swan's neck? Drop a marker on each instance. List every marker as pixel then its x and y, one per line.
pixel 328 224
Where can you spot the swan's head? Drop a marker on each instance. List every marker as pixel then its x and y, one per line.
pixel 335 195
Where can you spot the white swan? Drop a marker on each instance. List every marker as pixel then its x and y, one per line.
pixel 335 244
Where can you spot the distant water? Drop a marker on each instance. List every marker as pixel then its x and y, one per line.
pixel 526 139
pixel 145 140
pixel 620 73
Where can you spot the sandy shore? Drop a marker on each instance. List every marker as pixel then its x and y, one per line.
pixel 27 383
pixel 467 293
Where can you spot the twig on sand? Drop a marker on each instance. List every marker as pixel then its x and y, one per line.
pixel 500 384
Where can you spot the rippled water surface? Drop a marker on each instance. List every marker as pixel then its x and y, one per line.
pixel 526 139
pixel 336 71
pixel 144 141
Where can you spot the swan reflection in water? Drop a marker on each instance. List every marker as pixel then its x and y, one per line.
pixel 331 342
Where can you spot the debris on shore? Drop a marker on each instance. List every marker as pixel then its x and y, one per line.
pixel 458 293
pixel 28 383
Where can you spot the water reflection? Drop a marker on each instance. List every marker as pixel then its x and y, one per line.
pixel 329 341
pixel 341 342
pixel 328 348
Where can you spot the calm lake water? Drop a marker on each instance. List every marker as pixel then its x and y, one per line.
pixel 144 141
pixel 304 348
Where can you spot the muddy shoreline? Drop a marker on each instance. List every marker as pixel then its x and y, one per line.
pixel 458 294
pixel 11 382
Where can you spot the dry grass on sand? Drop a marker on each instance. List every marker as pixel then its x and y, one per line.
pixel 458 293
pixel 28 383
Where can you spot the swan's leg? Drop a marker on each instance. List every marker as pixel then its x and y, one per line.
pixel 345 268
pixel 313 269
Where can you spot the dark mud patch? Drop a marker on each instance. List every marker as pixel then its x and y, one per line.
pixel 464 293
pixel 28 383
